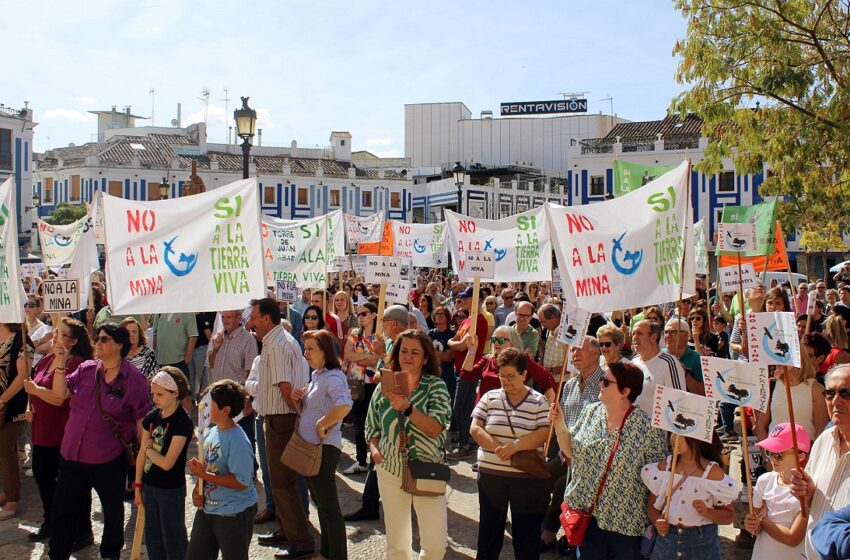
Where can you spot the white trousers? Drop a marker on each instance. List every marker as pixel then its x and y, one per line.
pixel 431 513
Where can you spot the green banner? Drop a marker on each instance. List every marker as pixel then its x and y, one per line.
pixel 631 176
pixel 763 216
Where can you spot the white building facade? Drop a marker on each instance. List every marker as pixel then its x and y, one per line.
pixel 16 138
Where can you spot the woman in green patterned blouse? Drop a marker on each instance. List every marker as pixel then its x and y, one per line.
pixel 620 517
pixel 425 411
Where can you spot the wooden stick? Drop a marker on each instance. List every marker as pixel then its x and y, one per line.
pixel 557 397
pixel 744 342
pixel 745 449
pixel 473 313
pixel 803 507
pixel 670 479
pixel 382 303
pixel 200 449
pixel 138 532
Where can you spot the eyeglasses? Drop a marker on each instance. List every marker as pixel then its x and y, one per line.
pixel 523 314
pixel 498 339
pixel 605 382
pixel 821 287
pixel 674 333
pixel 31 305
pixel 490 303
pixel 696 318
pixel 102 339
pixel 510 377
pixel 844 393
pixel 606 344
pixel 312 317
pixel 361 314
pixel 775 456
pixel 507 297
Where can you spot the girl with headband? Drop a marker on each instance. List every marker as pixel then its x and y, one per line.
pixel 160 482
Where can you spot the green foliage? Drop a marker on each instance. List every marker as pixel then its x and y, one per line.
pixel 771 79
pixel 66 214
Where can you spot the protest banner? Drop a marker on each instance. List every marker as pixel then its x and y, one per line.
pixel 763 216
pixel 384 246
pixel 96 211
pixel 32 270
pixel 186 255
pixel 86 260
pixel 736 382
pixel 302 251
pixel 425 245
pixel 772 338
pixel 364 229
pixel 700 248
pixel 285 291
pixel 736 238
pixel 631 251
pixel 776 260
pixel 58 242
pixel 556 282
pixel 683 413
pixel 574 324
pixel 520 243
pixel 61 295
pixel 729 280
pixel 630 176
pixel 12 296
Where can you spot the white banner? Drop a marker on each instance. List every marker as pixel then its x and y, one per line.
pixel 734 237
pixel 199 253
pixel 96 210
pixel 58 242
pixel 425 245
pixel 520 243
pixel 773 339
pixel 626 252
pixel 12 296
pixel 574 324
pixel 700 248
pixel 86 258
pixel 364 229
pixel 736 382
pixel 683 413
pixel 729 277
pixel 302 251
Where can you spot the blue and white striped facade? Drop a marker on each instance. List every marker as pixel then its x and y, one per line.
pixel 16 128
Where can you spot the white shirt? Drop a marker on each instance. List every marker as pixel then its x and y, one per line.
pixel 831 474
pixel 663 369
pixel 281 361
pixel 782 509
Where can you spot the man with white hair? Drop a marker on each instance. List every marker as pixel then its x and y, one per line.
pixel 676 341
pixel 659 368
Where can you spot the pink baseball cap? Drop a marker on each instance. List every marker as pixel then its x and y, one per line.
pixel 779 439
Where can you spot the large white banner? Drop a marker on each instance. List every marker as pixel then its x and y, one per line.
pixel 521 244
pixel 701 248
pixel 199 253
pixel 424 245
pixel 12 296
pixel 364 229
pixel 626 252
pixel 59 242
pixel 86 259
pixel 302 251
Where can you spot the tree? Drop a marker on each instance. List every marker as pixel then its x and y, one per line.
pixel 771 80
pixel 66 214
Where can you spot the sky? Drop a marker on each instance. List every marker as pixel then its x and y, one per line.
pixel 314 67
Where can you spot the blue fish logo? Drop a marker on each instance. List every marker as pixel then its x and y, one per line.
pixel 185 263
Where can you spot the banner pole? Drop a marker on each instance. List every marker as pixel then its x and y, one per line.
pixel 557 399
pixel 745 449
pixel 138 532
pixel 787 265
pixel 672 466
pixel 473 313
pixel 201 407
pixel 688 218
pixel 382 302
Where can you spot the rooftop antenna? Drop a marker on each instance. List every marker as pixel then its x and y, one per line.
pixel 205 97
pixel 226 100
pixel 610 99
pixel 153 106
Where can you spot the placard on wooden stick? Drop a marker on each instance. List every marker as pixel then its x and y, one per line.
pixel 61 295
pixel 383 270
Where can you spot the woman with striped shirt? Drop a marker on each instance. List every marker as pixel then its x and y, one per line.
pixel 421 414
pixel 505 421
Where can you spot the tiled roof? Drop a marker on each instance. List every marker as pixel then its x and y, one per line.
pixel 669 126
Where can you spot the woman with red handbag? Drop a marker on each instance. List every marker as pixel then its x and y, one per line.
pixel 605 501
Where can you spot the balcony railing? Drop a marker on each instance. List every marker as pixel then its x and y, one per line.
pixel 5 160
pixel 597 146
pixel 689 142
pixel 646 144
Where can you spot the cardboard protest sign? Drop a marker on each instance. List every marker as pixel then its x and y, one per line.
pixel 425 245
pixel 556 282
pixel 383 270
pixel 729 281
pixel 520 243
pixel 629 251
pixel 340 264
pixel 772 338
pixel 285 291
pixel 736 382
pixel 12 296
pixel 738 238
pixel 574 324
pixel 198 253
pixel 700 248
pixel 58 242
pixel 477 264
pixel 683 413
pixel 302 251
pixel 61 295
pixel 763 216
pixel 32 270
pixel 364 229
pixel 399 292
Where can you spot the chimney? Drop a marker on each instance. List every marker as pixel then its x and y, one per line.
pixel 259 137
pixel 179 121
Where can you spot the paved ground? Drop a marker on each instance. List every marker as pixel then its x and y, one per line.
pixel 365 540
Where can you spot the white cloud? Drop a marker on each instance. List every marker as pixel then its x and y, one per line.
pixel 66 114
pixel 84 100
pixel 380 142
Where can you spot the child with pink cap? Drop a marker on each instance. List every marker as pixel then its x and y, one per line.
pixel 777 521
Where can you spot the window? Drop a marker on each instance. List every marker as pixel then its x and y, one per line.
pixel 153 190
pixel 395 200
pixel 505 209
pixel 335 198
pixel 5 148
pixel 302 196
pixel 269 195
pixel 116 188
pixel 75 189
pixel 366 200
pixel 726 181
pixel 597 185
pixel 342 142
pixel 47 195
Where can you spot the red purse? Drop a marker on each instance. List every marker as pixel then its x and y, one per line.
pixel 575 521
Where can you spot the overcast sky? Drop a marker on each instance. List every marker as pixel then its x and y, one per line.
pixel 313 67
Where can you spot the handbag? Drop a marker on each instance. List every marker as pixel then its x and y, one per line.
pixel 131 448
pixel 650 535
pixel 575 521
pixel 301 456
pixel 357 387
pixel 421 478
pixel 530 461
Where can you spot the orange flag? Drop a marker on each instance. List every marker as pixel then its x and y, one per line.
pixel 778 260
pixel 384 247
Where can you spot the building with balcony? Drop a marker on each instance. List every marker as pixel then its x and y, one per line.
pixel 16 136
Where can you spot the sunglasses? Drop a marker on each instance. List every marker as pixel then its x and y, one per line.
pixel 363 314
pixel 507 297
pixel 775 456
pixel 843 393
pixel 102 339
pixel 312 317
pixel 606 344
pixel 498 340
pixel 605 382
pixel 31 305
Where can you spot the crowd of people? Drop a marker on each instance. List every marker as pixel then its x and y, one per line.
pixel 103 402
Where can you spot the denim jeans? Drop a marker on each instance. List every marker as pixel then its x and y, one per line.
pixel 684 543
pixel 608 545
pixel 165 522
pixel 462 410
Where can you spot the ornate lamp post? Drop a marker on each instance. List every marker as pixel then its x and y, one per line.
pixel 246 127
pixel 164 187
pixel 458 172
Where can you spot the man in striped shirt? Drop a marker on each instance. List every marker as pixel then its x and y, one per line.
pixel 282 368
pixel 659 368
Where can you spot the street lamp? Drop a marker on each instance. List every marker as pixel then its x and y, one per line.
pixel 164 187
pixel 458 171
pixel 246 127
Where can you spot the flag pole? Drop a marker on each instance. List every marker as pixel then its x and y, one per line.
pixel 670 478
pixel 557 398
pixel 745 450
pixel 688 217
pixel 138 532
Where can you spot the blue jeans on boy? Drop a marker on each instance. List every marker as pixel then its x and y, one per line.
pixel 165 522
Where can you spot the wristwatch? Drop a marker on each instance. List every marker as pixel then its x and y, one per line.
pixel 409 410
